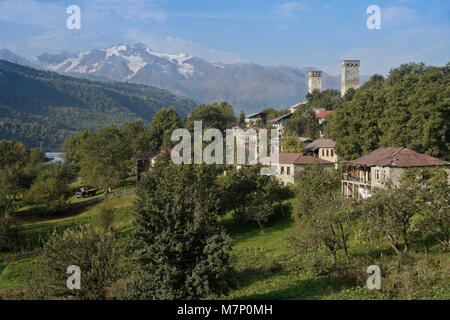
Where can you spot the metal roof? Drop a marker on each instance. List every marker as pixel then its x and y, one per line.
pixel 397 157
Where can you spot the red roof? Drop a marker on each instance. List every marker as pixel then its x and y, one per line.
pixel 150 155
pixel 291 158
pixel 397 157
pixel 322 115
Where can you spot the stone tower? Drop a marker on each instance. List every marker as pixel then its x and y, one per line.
pixel 350 75
pixel 314 81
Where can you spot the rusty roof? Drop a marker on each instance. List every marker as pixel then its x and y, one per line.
pixel 397 157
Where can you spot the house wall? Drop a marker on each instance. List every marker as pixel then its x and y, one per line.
pixel 323 154
pixel 382 174
pixel 286 178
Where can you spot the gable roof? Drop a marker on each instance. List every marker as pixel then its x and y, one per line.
pixel 397 157
pixel 252 115
pixel 291 158
pixel 300 159
pixel 320 143
pixel 288 115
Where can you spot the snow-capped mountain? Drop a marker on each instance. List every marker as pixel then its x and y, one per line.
pixel 246 86
pixel 118 62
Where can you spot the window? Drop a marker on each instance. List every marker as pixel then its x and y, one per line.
pixel 327 153
pixel 288 170
pixel 282 170
pixel 377 175
pixel 323 153
pixel 332 152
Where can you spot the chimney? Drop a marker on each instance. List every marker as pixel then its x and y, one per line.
pixel 350 75
pixel 314 81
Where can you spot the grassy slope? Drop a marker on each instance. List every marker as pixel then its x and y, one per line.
pixel 267 268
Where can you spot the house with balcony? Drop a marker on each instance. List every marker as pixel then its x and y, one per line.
pixel 372 170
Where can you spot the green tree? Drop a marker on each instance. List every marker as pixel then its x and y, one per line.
pixel 433 193
pixel 389 213
pixel 218 116
pixel 329 226
pixel 409 108
pixel 180 250
pixel 104 219
pixel 292 144
pixel 14 157
pixel 313 183
pixel 303 123
pixel 72 146
pixel 105 158
pixel 49 189
pixel 242 123
pixel 98 256
pixel 327 99
pixel 163 124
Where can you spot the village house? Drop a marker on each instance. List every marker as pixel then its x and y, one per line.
pixel 322 114
pixel 323 149
pixel 280 122
pixel 290 164
pixel 372 170
pixel 254 118
pixel 145 162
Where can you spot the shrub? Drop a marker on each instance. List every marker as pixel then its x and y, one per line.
pixel 104 220
pixel 98 256
pixel 316 263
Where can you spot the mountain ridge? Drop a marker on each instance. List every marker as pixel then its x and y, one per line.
pixel 43 108
pixel 247 86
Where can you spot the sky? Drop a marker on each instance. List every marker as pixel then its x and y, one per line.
pixel 309 33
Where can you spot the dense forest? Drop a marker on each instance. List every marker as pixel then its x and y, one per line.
pixel 43 108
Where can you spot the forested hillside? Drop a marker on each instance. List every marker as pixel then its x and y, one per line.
pixel 43 108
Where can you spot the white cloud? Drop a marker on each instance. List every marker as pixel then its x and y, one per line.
pixel 35 13
pixel 177 45
pixel 133 10
pixel 398 17
pixel 289 10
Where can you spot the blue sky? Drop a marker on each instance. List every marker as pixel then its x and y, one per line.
pixel 267 32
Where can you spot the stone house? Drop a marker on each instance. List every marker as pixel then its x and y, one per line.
pixel 372 170
pixel 291 163
pixel 323 149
